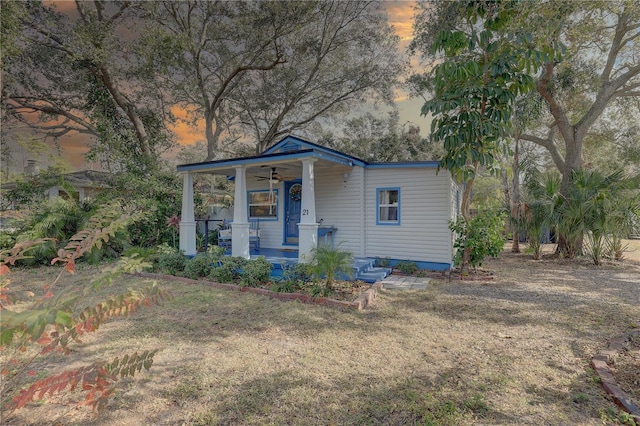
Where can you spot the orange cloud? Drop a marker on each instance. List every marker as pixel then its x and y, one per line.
pixel 63 6
pixel 401 17
pixel 185 131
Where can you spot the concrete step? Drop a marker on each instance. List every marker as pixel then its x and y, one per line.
pixel 373 275
pixel 362 264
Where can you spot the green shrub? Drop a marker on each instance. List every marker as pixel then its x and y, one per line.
pixel 159 196
pixel 229 269
pixel 383 262
pixel 57 218
pixel 165 248
pixel 199 266
pixel 7 240
pixel 221 274
pixel 216 253
pixel 299 274
pixel 172 263
pixel 407 267
pixel 317 290
pixel 256 272
pixel 483 235
pixel 148 254
pixel 284 287
pixel 294 278
pixel 60 218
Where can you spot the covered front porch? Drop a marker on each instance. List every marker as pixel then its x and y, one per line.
pixel 278 190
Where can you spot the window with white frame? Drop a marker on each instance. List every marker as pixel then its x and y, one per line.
pixel 263 204
pixel 388 204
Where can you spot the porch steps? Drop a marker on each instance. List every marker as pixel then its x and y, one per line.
pixel 365 270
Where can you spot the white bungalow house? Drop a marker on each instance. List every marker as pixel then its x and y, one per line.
pixel 304 194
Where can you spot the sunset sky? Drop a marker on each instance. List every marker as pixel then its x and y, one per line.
pixel 401 17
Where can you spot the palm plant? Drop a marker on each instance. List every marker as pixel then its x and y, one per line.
pixel 539 213
pixel 328 262
pixel 58 218
pixel 625 219
pixel 599 212
pixel 606 207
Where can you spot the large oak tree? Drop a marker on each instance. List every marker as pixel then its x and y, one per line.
pixel 601 65
pixel 77 72
pixel 259 70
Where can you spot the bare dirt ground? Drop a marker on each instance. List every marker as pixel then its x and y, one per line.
pixel 514 350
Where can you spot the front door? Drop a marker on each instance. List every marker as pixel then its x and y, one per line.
pixel 292 203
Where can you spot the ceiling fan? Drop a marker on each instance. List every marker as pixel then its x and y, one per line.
pixel 274 177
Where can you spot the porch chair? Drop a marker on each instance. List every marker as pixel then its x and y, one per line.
pixel 224 235
pixel 254 234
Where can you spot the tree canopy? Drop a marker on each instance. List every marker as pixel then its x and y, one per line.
pixel 76 72
pixel 250 71
pixel 594 68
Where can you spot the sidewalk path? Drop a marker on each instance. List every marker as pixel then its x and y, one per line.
pixel 399 282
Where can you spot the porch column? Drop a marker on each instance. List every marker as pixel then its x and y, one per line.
pixel 187 218
pixel 308 227
pixel 240 224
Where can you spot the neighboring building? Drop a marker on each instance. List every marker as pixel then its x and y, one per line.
pixel 87 183
pixel 301 193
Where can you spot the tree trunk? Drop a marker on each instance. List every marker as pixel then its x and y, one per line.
pixel 572 162
pixel 466 215
pixel 515 199
pixel 213 130
pixel 132 113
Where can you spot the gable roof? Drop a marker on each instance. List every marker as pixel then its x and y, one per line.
pixel 290 148
pixel 294 143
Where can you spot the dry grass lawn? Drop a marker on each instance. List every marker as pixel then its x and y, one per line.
pixel 515 350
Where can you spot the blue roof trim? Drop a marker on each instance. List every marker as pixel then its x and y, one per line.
pixel 311 145
pixel 244 161
pixel 404 165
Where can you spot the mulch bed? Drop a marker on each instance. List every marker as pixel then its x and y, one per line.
pixel 345 294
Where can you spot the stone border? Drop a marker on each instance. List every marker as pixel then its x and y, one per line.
pixel 600 364
pixel 364 300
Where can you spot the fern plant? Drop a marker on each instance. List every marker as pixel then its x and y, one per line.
pixel 51 323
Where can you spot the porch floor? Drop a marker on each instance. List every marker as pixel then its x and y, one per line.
pixel 277 257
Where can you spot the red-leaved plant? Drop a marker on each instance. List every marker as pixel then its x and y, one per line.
pixel 50 325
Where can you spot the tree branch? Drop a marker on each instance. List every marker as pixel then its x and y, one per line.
pixel 49 108
pixel 561 119
pixel 549 144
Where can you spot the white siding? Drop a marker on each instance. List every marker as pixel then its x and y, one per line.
pixel 425 210
pixel 339 204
